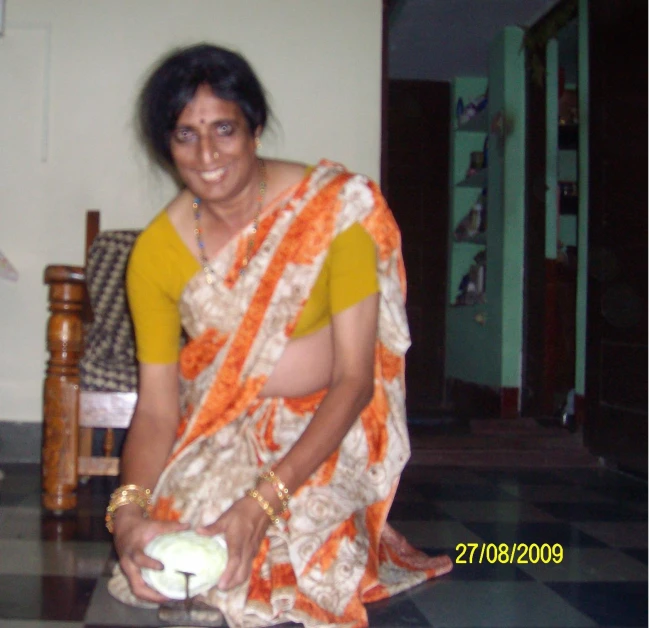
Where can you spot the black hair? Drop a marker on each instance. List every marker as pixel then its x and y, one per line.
pixel 173 84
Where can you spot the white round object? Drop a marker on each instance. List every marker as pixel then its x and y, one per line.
pixel 189 552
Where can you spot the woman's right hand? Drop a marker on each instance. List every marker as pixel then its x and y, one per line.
pixel 148 443
pixel 132 533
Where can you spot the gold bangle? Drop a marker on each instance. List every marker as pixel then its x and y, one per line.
pixel 264 505
pixel 123 496
pixel 280 488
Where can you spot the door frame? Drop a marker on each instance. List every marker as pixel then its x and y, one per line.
pixel 540 332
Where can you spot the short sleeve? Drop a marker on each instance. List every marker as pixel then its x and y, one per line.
pixel 155 314
pixel 353 268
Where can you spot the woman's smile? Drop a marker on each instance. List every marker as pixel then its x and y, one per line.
pixel 213 176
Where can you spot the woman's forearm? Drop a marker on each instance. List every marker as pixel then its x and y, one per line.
pixel 327 429
pixel 153 428
pixel 146 449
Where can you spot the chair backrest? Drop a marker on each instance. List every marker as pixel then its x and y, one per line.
pixel 108 363
pixel 108 369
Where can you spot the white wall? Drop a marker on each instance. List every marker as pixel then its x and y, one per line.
pixel 69 75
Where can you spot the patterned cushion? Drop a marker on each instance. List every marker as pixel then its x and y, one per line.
pixel 108 363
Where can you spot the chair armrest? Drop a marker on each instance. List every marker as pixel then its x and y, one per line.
pixel 64 274
pixel 67 304
pixel 65 282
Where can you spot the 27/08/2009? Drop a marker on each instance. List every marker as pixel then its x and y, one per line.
pixel 509 553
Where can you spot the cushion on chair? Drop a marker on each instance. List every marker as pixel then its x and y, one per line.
pixel 108 363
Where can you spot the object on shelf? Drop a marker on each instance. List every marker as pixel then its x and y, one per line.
pixel 472 286
pixel 476 160
pixel 7 271
pixel 568 197
pixel 567 256
pixel 465 113
pixel 474 222
pixel 460 107
pixel 568 413
pixel 568 188
pixel 568 107
pixel 480 318
pixel 476 163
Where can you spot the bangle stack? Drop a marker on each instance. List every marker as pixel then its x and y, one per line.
pixel 264 505
pixel 123 496
pixel 281 491
pixel 280 488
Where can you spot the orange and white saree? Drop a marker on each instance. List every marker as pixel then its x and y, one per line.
pixel 333 550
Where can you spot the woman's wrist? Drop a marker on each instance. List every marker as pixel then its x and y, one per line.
pixel 128 513
pixel 127 496
pixel 263 505
pixel 267 492
pixel 271 495
pixel 274 490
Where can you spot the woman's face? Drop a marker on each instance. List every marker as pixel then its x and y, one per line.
pixel 213 149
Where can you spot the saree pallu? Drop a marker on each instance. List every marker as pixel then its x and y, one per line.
pixel 333 550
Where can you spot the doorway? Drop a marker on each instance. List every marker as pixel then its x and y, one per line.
pixel 416 187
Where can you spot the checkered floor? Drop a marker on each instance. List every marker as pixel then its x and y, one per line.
pixel 53 571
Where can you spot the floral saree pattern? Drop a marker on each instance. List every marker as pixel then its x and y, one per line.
pixel 333 550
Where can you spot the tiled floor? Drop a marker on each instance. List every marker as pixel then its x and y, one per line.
pixel 53 572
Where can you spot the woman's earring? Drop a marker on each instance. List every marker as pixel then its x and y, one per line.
pixel 258 143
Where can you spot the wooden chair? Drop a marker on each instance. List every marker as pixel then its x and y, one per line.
pixel 91 372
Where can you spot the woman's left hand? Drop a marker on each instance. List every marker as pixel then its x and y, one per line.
pixel 243 525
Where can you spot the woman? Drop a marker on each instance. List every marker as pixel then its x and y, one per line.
pixel 286 429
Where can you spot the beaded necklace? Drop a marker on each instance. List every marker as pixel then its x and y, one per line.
pixel 210 277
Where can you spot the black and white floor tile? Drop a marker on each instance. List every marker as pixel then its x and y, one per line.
pixel 53 570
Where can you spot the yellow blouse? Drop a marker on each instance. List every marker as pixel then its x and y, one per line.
pixel 161 265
